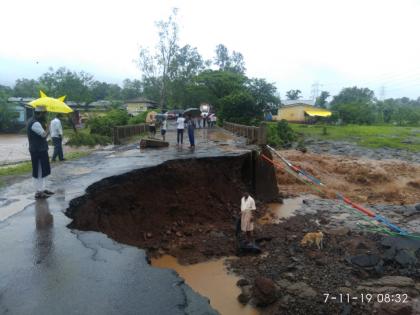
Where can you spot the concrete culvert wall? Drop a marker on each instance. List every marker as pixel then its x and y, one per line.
pixel 173 206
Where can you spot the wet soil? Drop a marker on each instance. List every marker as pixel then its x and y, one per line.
pixel 362 180
pixel 186 208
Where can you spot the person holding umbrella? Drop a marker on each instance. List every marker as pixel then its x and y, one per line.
pixel 190 128
pixel 38 148
pixel 37 136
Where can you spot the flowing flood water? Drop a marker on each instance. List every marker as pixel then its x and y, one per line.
pixel 280 211
pixel 212 280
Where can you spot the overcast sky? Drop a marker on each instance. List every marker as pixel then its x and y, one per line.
pixel 337 43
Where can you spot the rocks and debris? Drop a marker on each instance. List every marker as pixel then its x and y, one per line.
pixel 152 143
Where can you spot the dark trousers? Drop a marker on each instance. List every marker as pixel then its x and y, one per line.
pixel 191 136
pixel 179 135
pixel 58 148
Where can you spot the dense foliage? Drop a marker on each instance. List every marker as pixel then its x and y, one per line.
pixel 281 135
pixel 102 125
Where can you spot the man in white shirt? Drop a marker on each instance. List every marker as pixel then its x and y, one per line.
pixel 180 126
pixel 247 216
pixel 38 148
pixel 57 138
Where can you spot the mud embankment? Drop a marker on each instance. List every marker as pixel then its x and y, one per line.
pixel 186 208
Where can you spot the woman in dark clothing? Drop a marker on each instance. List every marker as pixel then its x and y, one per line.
pixel 38 148
pixel 191 127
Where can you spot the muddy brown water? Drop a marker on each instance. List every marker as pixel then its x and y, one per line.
pixel 212 280
pixel 280 211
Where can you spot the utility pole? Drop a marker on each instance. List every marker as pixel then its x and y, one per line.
pixel 315 90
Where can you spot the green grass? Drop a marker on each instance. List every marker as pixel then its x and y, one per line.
pixel 26 167
pixel 381 136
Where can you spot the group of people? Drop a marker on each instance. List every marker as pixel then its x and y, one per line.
pixel 205 119
pixel 182 122
pixel 38 132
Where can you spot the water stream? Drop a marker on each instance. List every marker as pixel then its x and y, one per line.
pixel 212 280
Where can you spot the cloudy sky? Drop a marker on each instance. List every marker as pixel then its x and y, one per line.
pixel 337 43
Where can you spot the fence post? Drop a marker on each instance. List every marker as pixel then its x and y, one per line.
pixel 262 134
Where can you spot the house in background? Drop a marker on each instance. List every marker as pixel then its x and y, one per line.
pixel 300 111
pixel 138 105
pixel 20 106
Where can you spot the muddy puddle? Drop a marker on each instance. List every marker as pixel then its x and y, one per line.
pixel 281 211
pixel 212 280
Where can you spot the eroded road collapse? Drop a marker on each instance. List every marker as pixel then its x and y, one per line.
pixel 186 208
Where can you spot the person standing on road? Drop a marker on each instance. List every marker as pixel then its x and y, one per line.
pixel 38 148
pixel 191 126
pixel 57 138
pixel 247 216
pixel 213 120
pixel 180 126
pixel 204 120
pixel 164 127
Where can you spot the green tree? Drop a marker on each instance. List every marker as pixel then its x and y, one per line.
pixel 293 94
pixel 186 65
pixel 240 107
pixel 321 101
pixel 131 89
pixel 213 85
pixel 264 94
pixel 27 88
pixel 355 105
pixel 7 115
pixel 227 62
pixel 156 67
pixel 65 82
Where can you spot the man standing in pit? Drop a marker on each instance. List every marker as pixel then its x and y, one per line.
pixel 247 215
pixel 38 148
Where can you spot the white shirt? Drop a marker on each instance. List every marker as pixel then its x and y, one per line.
pixel 37 128
pixel 248 204
pixel 55 128
pixel 164 124
pixel 180 123
pixel 213 118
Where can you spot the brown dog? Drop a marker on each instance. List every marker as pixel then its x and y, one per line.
pixel 315 237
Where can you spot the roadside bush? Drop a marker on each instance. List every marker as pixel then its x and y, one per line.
pixel 139 119
pixel 281 135
pixel 81 138
pixel 102 125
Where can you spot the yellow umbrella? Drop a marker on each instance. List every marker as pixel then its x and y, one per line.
pixel 53 105
pixel 151 116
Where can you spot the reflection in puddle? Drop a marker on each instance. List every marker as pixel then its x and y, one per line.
pixel 210 279
pixel 279 211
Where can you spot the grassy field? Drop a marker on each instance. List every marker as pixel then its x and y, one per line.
pixel 384 136
pixel 26 167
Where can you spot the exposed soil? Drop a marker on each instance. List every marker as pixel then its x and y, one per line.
pixel 185 208
pixel 362 180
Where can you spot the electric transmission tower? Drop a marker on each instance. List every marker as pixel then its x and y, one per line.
pixel 382 93
pixel 316 87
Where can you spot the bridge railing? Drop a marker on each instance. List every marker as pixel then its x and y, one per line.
pixel 255 135
pixel 122 132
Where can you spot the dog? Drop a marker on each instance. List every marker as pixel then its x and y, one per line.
pixel 315 237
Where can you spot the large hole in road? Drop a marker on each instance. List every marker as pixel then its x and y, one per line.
pixel 185 208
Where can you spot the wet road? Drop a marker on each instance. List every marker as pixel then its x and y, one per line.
pixel 45 268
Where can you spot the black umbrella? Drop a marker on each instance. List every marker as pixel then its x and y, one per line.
pixel 194 112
